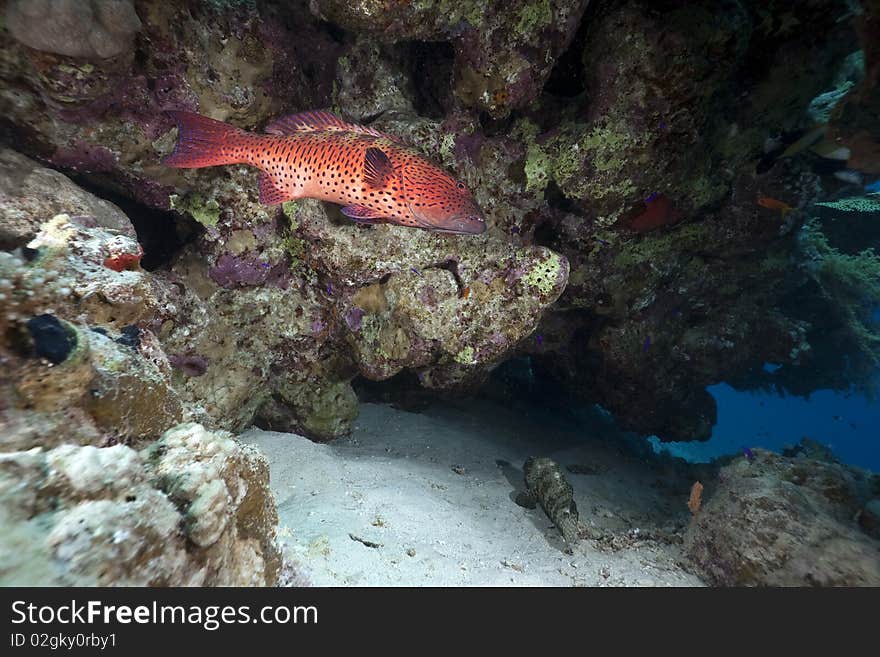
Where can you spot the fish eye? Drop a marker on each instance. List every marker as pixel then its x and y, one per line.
pixel 461 185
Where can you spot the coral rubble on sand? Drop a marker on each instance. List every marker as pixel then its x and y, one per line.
pixel 190 509
pixel 662 217
pixel 787 521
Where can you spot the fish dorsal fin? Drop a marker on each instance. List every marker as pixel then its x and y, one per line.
pixel 318 121
pixel 270 194
pixel 363 214
pixel 378 170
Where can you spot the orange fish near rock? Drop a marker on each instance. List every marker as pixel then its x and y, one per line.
pixel 318 155
pixel 695 501
pixel 774 204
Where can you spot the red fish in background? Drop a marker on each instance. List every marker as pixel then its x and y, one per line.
pixel 376 177
pixel 774 204
pixel 659 211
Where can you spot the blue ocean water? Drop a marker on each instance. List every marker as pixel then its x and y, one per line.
pixel 848 424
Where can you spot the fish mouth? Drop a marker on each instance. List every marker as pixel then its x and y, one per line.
pixel 463 224
pixel 471 224
pixel 463 231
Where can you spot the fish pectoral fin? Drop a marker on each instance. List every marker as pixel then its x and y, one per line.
pixel 270 194
pixel 363 214
pixel 378 170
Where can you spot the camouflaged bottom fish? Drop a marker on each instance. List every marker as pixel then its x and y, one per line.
pixel 545 481
pixel 318 155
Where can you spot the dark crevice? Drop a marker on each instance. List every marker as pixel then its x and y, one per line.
pixel 430 70
pixel 567 77
pixel 402 391
pixel 546 234
pixel 336 33
pixel 493 127
pixel 559 201
pixel 161 233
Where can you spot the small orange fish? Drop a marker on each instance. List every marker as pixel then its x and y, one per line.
pixel 774 204
pixel 376 177
pixel 695 501
pixel 466 292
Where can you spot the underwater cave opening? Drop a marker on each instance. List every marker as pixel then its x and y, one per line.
pixel 402 391
pixel 844 422
pixel 519 383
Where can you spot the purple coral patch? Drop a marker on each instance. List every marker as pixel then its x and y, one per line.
pixel 231 271
pixel 353 318
pixel 85 158
pixel 173 91
pixel 189 364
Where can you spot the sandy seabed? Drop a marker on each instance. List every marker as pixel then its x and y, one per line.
pixel 412 499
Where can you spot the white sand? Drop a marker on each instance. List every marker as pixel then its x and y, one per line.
pixel 392 483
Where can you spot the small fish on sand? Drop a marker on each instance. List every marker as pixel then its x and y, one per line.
pixel 376 177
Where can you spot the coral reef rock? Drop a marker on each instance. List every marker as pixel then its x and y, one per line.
pixel 504 51
pixel 72 350
pixel 617 149
pixel 780 521
pixel 31 194
pixel 76 28
pixel 193 508
pixel 97 487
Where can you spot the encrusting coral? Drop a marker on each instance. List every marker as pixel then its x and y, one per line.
pixel 785 521
pixel 619 152
pixel 192 509
pixel 82 372
pixel 638 172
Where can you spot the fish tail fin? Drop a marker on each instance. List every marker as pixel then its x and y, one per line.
pixel 204 142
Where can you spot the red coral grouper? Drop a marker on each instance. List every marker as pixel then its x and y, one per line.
pixel 318 155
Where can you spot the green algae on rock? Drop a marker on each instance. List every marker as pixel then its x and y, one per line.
pixel 204 211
